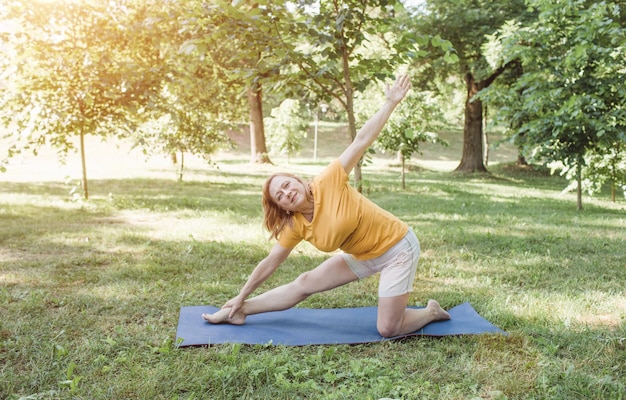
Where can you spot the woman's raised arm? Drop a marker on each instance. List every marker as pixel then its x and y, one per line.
pixel 372 128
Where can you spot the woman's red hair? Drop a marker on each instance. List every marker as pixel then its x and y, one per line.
pixel 275 218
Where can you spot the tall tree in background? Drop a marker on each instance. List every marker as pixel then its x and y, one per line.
pixel 75 69
pixel 466 24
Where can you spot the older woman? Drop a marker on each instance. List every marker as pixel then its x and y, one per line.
pixel 331 215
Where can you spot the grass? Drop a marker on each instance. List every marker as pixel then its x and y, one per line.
pixel 91 290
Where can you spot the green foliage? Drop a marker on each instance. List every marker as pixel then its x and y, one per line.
pixel 339 48
pixel 417 121
pixel 109 69
pixel 74 71
pixel 194 106
pixel 286 127
pixel 239 38
pixel 568 106
pixel 242 43
pixel 179 75
pixel 466 25
pixel 599 169
pixel 334 50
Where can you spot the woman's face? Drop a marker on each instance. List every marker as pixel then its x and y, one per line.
pixel 288 193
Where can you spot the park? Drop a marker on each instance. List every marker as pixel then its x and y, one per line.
pixel 142 196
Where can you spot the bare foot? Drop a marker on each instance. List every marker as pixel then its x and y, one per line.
pixel 437 313
pixel 221 317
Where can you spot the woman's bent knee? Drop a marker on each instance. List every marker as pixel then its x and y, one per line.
pixel 387 330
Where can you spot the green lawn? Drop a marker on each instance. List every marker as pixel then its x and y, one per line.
pixel 90 290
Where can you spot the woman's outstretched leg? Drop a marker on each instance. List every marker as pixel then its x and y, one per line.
pixel 330 274
pixel 394 318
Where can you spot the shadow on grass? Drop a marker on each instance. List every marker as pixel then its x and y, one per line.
pixel 56 189
pixel 507 174
pixel 155 195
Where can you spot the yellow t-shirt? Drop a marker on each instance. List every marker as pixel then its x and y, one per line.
pixel 344 219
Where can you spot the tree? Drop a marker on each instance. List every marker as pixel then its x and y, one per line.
pixel 239 38
pixel 286 127
pixel 570 101
pixel 335 49
pixel 75 70
pixel 195 106
pixel 466 25
pixel 599 169
pixel 608 167
pixel 416 120
pixel 316 50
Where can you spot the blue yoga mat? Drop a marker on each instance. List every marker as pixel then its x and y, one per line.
pixel 305 326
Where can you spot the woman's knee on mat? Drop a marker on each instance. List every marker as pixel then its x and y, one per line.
pixel 388 328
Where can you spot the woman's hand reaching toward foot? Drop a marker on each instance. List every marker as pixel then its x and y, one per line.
pixel 230 313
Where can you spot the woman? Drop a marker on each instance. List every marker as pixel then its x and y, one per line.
pixel 332 215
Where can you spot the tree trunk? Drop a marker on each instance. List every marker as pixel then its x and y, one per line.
pixel 182 166
pixel 84 163
pixel 579 189
pixel 613 191
pixel 403 175
pixel 485 139
pixel 472 158
pixel 258 149
pixel 613 172
pixel 358 178
pixel 349 93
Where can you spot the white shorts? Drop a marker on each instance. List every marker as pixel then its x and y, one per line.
pixel 397 266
